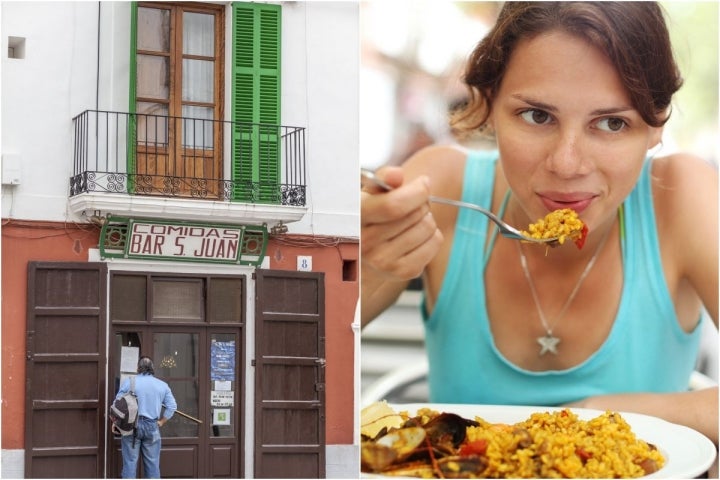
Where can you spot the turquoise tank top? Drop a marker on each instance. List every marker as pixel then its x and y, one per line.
pixel 646 350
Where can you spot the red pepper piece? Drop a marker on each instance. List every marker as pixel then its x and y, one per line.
pixel 476 447
pixel 584 455
pixel 580 241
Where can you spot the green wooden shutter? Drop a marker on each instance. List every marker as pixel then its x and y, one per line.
pixel 131 125
pixel 256 102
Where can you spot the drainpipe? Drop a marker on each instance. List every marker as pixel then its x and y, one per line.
pixel 97 73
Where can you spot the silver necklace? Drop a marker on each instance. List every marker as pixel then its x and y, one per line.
pixel 549 342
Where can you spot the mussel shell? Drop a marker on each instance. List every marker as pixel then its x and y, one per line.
pixel 395 446
pixel 447 431
pixel 376 458
pixel 404 440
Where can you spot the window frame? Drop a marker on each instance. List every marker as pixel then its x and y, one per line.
pixel 180 153
pixel 208 311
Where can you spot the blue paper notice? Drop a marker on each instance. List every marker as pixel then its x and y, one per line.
pixel 222 361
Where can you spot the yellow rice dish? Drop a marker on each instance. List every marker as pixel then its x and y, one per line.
pixel 559 445
pixel 562 224
pixel 546 445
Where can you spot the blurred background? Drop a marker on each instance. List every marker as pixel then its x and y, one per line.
pixel 412 55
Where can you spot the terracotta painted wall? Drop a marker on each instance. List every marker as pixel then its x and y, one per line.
pixel 21 243
pixel 46 241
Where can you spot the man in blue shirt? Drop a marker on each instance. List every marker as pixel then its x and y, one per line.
pixel 152 394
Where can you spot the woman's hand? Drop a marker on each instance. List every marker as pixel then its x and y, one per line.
pixel 399 234
pixel 399 237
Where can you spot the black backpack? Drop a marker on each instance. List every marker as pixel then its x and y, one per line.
pixel 124 411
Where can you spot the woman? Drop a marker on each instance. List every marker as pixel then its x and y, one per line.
pixel 576 95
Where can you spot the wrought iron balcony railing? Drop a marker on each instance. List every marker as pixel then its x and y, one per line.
pixel 143 154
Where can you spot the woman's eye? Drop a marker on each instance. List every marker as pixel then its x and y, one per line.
pixel 611 124
pixel 534 116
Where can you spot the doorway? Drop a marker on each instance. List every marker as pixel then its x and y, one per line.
pixel 192 327
pixel 202 367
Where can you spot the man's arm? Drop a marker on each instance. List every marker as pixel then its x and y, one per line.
pixel 170 406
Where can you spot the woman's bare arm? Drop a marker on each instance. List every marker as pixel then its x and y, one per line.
pixel 696 409
pixel 398 239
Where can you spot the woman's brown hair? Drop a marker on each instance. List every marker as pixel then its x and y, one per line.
pixel 633 35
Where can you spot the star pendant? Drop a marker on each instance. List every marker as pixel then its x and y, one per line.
pixel 548 343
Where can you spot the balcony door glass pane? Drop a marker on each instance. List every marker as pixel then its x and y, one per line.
pixel 153 30
pixel 197 81
pixel 176 357
pixel 152 124
pixel 197 127
pixel 153 79
pixel 198 34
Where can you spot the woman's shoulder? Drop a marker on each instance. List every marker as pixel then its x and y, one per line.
pixel 444 164
pixel 434 156
pixel 682 177
pixel 685 194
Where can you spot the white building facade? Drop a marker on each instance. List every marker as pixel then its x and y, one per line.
pixel 180 180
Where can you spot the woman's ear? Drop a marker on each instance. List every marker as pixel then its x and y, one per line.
pixel 488 127
pixel 656 134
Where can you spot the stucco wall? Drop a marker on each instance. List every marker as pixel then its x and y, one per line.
pixel 31 241
pixel 69 67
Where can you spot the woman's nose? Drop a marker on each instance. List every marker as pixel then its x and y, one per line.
pixel 566 158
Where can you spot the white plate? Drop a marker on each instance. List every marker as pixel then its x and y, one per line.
pixel 688 454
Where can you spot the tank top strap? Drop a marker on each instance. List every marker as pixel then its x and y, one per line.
pixel 493 236
pixel 478 187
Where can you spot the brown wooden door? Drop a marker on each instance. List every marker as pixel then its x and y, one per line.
pixel 65 381
pixel 289 375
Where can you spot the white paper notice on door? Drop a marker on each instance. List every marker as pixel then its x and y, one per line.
pixel 223 385
pixel 129 357
pixel 222 399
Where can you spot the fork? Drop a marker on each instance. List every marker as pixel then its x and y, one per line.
pixel 503 228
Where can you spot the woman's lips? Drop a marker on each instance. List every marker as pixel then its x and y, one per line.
pixel 575 201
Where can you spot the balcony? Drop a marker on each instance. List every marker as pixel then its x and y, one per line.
pixel 142 165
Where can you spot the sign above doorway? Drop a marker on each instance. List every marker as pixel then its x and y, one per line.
pixel 142 238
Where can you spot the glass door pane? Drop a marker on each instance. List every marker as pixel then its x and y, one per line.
pixel 223 383
pixel 126 353
pixel 176 357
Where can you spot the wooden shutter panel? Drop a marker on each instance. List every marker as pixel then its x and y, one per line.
pixel 256 100
pixel 289 374
pixel 65 370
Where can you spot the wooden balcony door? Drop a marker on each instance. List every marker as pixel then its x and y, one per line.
pixel 178 97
